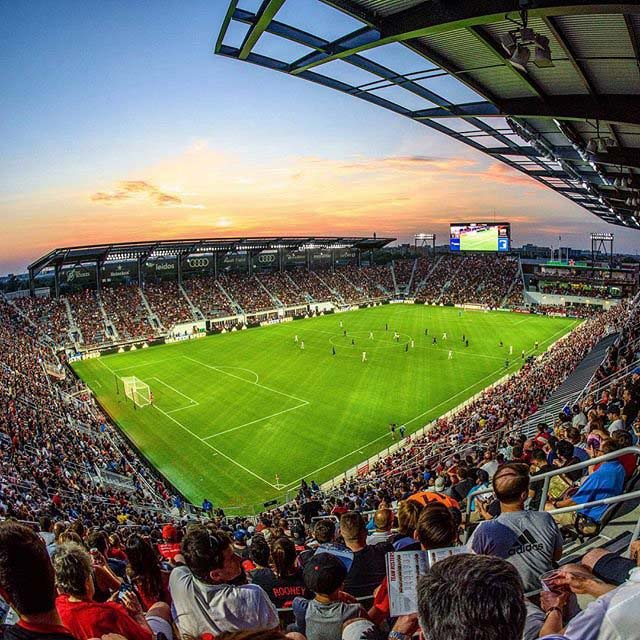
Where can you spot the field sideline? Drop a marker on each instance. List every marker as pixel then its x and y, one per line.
pixel 232 411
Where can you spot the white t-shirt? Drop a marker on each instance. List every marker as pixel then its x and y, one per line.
pixel 207 608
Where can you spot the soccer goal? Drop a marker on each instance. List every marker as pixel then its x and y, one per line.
pixel 137 391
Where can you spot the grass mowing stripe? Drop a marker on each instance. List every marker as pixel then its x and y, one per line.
pixel 308 413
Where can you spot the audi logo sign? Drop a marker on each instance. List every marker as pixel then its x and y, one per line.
pixel 266 258
pixel 198 263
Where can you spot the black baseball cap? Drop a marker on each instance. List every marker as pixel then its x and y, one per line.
pixel 324 573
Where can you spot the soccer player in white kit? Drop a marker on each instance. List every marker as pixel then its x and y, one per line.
pixel 450 354
pixel 364 356
pixel 370 335
pixel 444 335
pixel 302 344
pixel 510 349
pixel 295 338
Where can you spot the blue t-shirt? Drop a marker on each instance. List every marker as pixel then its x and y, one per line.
pixel 606 482
pixel 581 454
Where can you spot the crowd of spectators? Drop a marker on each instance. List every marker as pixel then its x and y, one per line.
pixel 309 282
pixel 283 288
pixel 168 303
pixel 80 570
pixel 482 280
pixel 402 269
pixel 88 317
pixel 208 297
pixel 49 315
pixel 423 267
pixel 344 290
pixel 125 309
pixel 380 276
pixel 55 444
pixel 247 292
pixel 585 290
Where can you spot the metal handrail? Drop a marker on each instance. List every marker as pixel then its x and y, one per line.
pixel 547 475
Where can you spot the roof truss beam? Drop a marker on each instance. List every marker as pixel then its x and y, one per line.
pixel 432 17
pixel 265 15
pixel 619 108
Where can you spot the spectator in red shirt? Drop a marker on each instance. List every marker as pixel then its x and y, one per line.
pixel 170 548
pixel 86 618
pixel 27 584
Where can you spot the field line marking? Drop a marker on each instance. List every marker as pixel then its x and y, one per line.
pixel 189 406
pixel 224 455
pixel 184 395
pixel 257 384
pixel 246 424
pixel 386 435
pixel 106 366
pixel 142 364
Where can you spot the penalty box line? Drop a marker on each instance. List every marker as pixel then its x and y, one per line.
pixel 207 444
pixel 246 424
pixel 192 402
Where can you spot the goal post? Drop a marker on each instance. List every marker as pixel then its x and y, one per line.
pixel 137 391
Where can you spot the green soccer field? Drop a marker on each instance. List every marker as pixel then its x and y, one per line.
pixel 232 411
pixel 486 240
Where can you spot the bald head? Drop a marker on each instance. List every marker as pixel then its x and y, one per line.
pixel 511 483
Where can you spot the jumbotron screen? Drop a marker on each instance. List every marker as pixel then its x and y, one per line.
pixel 480 236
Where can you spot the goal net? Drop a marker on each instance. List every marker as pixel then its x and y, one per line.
pixel 137 391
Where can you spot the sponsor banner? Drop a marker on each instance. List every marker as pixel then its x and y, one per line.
pixel 233 262
pixel 320 257
pixel 119 272
pixel 295 259
pixel 197 263
pixel 265 261
pixel 78 275
pixel 162 267
pixel 345 257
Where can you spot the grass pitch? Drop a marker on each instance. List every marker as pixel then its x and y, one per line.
pixel 232 411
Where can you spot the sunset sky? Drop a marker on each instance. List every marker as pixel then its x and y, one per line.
pixel 118 123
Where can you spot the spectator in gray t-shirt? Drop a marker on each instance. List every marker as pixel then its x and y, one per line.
pixel 322 618
pixel 529 540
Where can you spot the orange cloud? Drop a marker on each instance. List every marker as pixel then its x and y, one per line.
pixel 128 189
pixel 502 173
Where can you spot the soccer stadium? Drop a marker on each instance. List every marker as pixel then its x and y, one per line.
pixel 335 375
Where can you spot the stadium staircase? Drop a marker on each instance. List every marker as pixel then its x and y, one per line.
pixel 109 326
pixel 517 281
pixel 232 302
pixel 74 329
pixel 154 321
pixel 276 301
pixel 426 278
pixel 572 388
pixel 307 296
pixel 43 337
pixel 195 311
pixel 411 277
pixel 447 284
pixel 337 295
pixel 393 277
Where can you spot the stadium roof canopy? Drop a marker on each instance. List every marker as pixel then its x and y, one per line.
pixel 548 87
pixel 145 250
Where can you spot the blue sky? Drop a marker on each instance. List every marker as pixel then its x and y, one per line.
pixel 97 95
